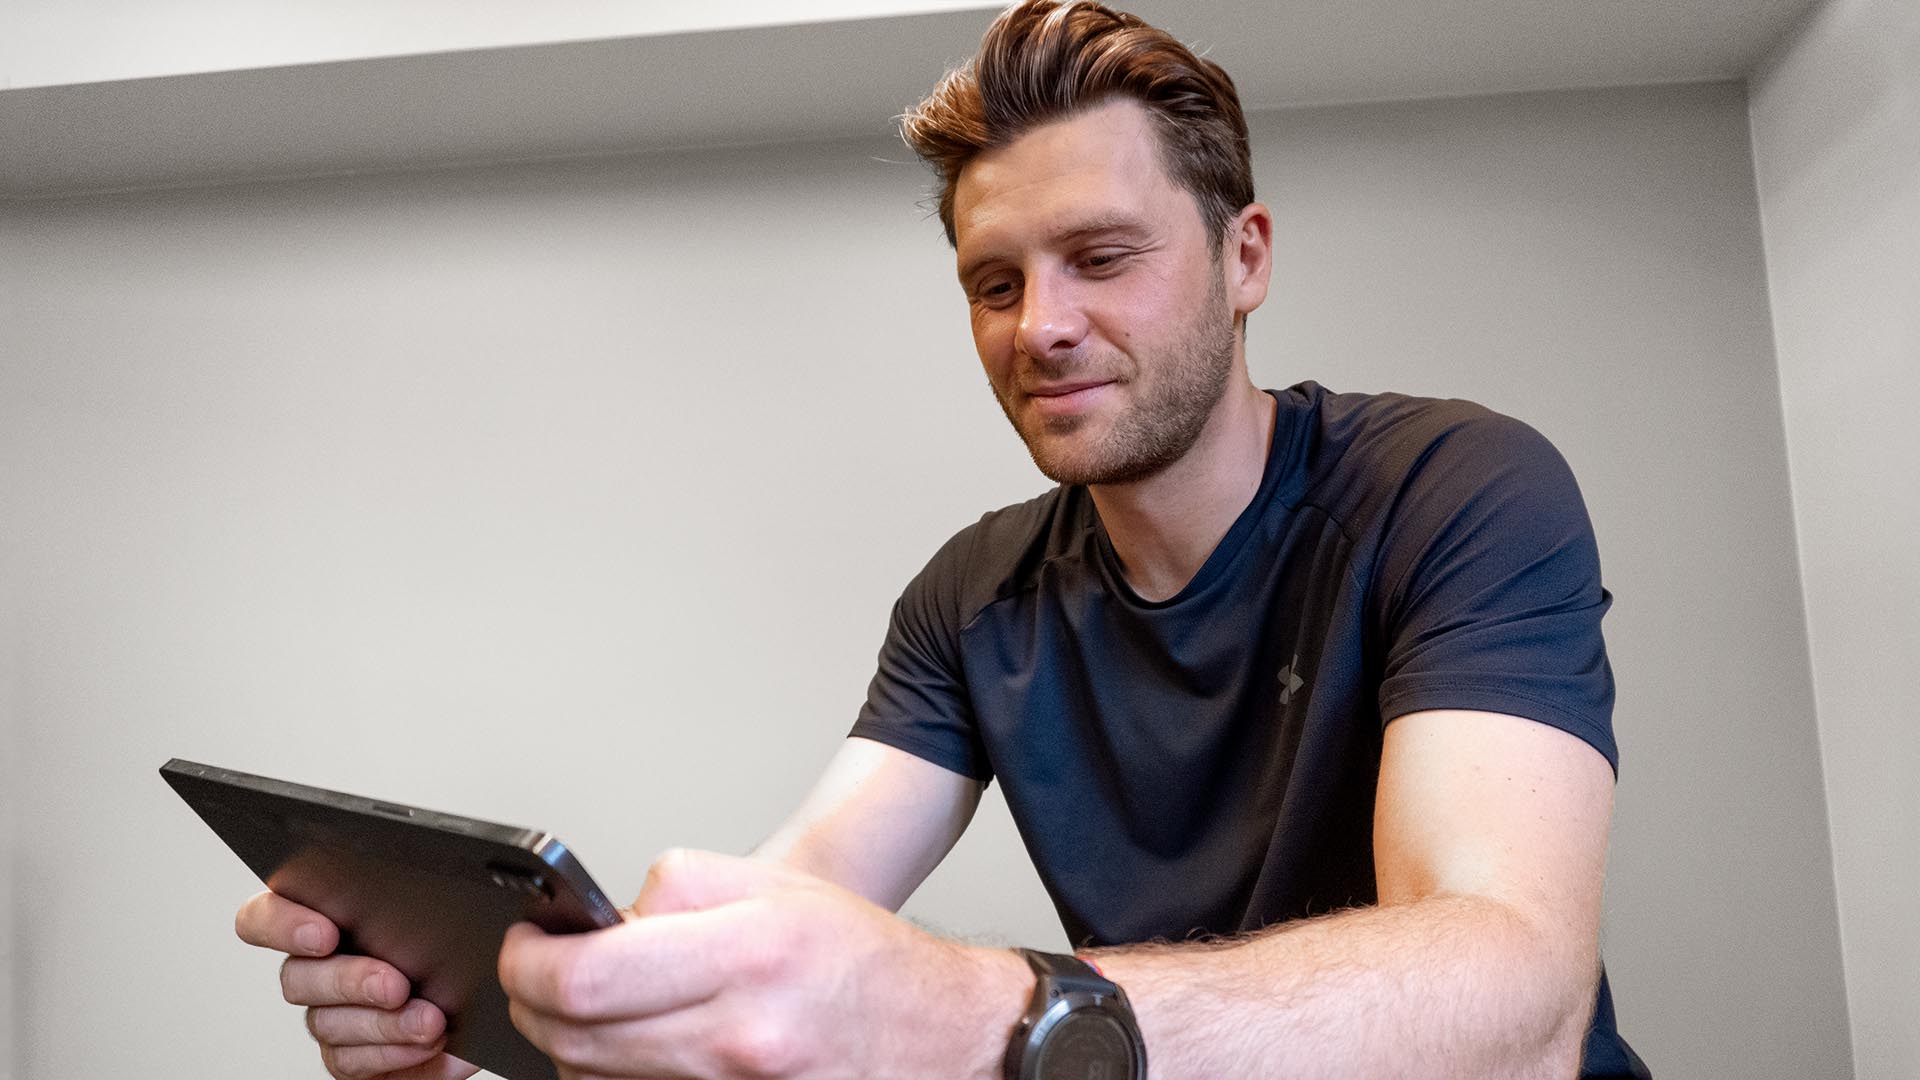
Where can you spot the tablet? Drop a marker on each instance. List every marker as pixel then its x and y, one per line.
pixel 430 893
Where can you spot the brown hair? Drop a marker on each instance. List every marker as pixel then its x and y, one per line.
pixel 1042 60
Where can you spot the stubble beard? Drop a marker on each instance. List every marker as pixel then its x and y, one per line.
pixel 1158 428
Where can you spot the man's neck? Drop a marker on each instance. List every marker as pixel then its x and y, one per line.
pixel 1164 527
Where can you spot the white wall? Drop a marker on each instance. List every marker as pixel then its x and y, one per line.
pixel 10 272
pixel 1836 132
pixel 384 483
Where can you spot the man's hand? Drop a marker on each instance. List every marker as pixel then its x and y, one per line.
pixel 737 968
pixel 357 1007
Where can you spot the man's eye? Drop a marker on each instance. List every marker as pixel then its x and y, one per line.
pixel 998 292
pixel 1103 260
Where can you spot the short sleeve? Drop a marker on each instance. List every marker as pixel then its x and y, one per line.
pixel 918 699
pixel 1489 586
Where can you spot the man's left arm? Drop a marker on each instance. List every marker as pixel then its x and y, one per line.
pixel 1480 959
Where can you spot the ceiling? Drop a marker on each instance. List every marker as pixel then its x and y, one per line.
pixel 836 78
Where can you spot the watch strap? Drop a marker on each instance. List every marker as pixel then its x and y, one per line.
pixel 1070 973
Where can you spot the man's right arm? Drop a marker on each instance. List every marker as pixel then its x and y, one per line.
pixel 876 823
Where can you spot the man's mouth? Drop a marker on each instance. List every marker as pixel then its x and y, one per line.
pixel 1069 397
pixel 1062 389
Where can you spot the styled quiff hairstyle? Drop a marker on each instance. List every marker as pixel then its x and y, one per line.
pixel 1043 60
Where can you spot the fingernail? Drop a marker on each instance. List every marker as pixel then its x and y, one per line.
pixel 309 939
pixel 415 1021
pixel 374 987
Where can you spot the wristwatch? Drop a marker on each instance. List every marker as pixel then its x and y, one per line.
pixel 1078 1026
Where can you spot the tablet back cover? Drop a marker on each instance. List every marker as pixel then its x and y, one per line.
pixel 430 893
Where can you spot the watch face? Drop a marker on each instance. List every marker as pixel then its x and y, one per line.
pixel 1086 1045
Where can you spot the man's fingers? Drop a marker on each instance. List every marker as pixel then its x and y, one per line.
pixel 343 980
pixel 419 1023
pixel 638 968
pixel 704 1040
pixel 441 1067
pixel 686 880
pixel 671 1044
pixel 272 921
pixel 355 1062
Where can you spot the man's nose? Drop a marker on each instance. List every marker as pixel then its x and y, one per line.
pixel 1051 321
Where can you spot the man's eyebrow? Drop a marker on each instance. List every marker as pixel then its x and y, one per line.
pixel 1067 234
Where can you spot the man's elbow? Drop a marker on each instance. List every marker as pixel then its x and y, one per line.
pixel 1567 1046
pixel 1546 975
pixel 1568 983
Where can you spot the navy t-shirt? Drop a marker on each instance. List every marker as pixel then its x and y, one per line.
pixel 1206 764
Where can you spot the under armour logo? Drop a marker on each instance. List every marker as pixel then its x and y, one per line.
pixel 1290 680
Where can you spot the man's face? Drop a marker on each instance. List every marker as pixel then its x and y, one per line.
pixel 1097 298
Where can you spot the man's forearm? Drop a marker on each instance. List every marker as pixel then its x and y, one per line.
pixel 877 822
pixel 1444 986
pixel 1447 986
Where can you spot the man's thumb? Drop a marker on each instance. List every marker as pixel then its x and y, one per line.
pixel 683 879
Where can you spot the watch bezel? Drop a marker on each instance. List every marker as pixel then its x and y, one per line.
pixel 1025 1049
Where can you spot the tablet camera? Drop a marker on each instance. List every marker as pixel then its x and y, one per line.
pixel 530 884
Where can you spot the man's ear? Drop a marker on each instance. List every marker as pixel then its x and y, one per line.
pixel 1247 258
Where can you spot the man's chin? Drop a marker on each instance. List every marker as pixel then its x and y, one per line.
pixel 1072 461
pixel 1075 449
pixel 1057 428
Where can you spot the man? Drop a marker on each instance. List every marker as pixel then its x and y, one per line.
pixel 1298 699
